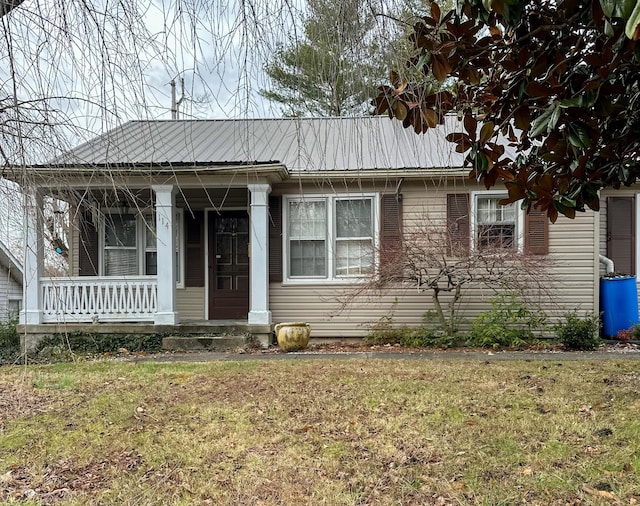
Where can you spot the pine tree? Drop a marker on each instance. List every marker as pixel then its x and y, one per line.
pixel 336 67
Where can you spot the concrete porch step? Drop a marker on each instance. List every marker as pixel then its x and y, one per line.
pixel 210 343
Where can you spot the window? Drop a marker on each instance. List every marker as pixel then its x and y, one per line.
pixel 13 308
pixel 330 237
pixel 120 245
pixel 495 225
pixel 130 246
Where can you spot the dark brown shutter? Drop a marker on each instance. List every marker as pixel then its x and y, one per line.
pixel 194 249
pixel 621 234
pixel 275 239
pixel 390 227
pixel 536 232
pixel 88 254
pixel 458 223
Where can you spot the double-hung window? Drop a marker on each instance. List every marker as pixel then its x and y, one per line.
pixel 495 225
pixel 121 245
pixel 330 237
pixel 130 245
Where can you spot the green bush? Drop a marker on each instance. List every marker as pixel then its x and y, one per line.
pixel 509 323
pixel 9 339
pixel 88 343
pixel 577 333
pixel 384 332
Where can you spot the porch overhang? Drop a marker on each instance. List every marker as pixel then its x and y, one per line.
pixel 144 174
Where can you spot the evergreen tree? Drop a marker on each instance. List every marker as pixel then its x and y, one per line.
pixel 335 68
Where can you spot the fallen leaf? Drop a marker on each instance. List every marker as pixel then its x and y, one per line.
pixel 598 493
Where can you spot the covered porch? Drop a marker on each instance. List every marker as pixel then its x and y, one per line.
pixel 180 281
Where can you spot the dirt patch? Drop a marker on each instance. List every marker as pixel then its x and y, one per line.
pixel 64 478
pixel 18 399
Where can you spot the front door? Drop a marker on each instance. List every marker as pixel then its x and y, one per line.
pixel 228 265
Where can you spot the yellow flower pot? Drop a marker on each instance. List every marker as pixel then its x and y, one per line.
pixel 293 336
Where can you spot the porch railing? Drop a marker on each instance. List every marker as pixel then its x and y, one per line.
pixel 95 299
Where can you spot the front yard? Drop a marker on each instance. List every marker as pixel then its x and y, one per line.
pixel 335 432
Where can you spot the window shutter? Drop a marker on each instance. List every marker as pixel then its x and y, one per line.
pixel 621 239
pixel 194 249
pixel 390 227
pixel 88 254
pixel 536 232
pixel 275 239
pixel 458 223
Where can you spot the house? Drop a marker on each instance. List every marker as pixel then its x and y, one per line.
pixel 10 284
pixel 182 225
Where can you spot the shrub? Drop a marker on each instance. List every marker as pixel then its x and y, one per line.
pixel 9 339
pixel 509 323
pixel 384 332
pixel 88 343
pixel 577 333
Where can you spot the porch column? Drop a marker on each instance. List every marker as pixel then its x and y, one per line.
pixel 259 260
pixel 166 252
pixel 33 258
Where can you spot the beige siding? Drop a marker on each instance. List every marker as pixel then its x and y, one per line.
pixel 572 271
pixel 190 303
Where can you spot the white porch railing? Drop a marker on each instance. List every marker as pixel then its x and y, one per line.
pixel 95 299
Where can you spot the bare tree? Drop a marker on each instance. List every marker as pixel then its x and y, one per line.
pixel 432 259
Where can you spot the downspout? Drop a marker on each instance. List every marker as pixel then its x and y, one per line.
pixel 608 264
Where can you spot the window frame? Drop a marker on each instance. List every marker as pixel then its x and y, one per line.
pixel 141 247
pixel 473 218
pixel 331 238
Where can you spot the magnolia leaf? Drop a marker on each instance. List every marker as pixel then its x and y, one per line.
pixel 578 135
pixel 487 131
pixel 430 117
pixel 440 67
pixel 624 8
pixel 522 117
pixel 470 125
pixel 481 162
pixel 435 11
pixel 400 110
pixel 632 28
pixel 544 123
pixel 535 90
pixel 572 102
pixel 607 7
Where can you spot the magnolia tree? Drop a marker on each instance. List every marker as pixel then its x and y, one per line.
pixel 433 259
pixel 559 81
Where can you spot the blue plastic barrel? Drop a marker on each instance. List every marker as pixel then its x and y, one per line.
pixel 618 304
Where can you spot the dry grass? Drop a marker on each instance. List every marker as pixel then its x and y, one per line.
pixel 322 432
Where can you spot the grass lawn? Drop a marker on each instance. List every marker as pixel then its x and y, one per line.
pixel 350 432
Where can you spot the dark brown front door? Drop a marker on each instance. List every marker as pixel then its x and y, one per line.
pixel 228 265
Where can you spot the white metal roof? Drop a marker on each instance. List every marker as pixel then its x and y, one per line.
pixel 300 144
